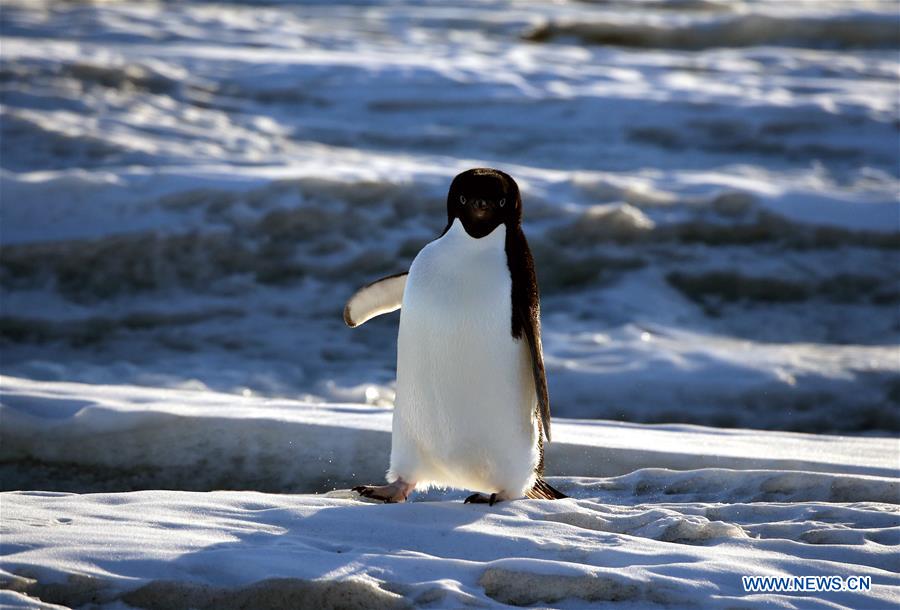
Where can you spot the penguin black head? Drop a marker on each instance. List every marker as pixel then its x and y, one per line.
pixel 483 199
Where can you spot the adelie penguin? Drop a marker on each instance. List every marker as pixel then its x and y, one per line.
pixel 472 409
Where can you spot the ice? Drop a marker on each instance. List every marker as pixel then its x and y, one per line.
pixel 14 599
pixel 179 179
pixel 655 537
pixel 872 29
pixel 659 516
pixel 191 191
pixel 77 437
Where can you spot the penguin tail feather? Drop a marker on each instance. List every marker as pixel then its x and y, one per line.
pixel 544 491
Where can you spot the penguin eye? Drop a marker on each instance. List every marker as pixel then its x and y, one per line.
pixel 502 202
pixel 462 200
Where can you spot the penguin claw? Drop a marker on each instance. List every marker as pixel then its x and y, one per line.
pixel 481 499
pixel 389 494
pixel 368 491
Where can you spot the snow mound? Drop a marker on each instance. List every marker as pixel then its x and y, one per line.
pixel 15 599
pixel 601 222
pixel 526 588
pixel 710 484
pixel 658 516
pixel 352 594
pixel 658 524
pixel 230 549
pixel 79 437
pixel 848 30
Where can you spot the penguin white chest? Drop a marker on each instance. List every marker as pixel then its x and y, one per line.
pixel 465 394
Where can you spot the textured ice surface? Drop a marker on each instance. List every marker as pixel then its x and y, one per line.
pixel 230 549
pixel 698 508
pixel 191 191
pixel 75 437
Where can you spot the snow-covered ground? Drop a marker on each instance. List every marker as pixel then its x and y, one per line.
pixel 78 437
pixel 191 191
pixel 698 508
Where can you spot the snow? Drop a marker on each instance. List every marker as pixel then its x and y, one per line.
pixel 74 437
pixel 659 516
pixel 191 191
pixel 178 179
pixel 228 547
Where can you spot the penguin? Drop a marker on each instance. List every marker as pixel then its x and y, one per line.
pixel 472 410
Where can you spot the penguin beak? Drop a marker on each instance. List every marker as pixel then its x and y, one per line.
pixel 480 208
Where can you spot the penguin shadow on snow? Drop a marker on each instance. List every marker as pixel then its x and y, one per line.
pixel 385 555
pixel 327 559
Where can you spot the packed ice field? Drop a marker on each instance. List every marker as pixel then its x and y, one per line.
pixel 190 191
pixel 659 516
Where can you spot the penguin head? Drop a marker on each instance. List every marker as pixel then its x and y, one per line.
pixel 483 199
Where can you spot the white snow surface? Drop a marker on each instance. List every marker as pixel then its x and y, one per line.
pixel 105 438
pixel 698 508
pixel 192 190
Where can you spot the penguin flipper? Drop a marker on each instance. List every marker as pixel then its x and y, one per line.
pixel 532 332
pixel 380 297
pixel 526 318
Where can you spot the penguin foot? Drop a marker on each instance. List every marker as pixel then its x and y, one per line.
pixel 482 499
pixel 389 494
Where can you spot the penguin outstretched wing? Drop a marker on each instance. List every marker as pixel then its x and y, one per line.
pixel 526 317
pixel 380 297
